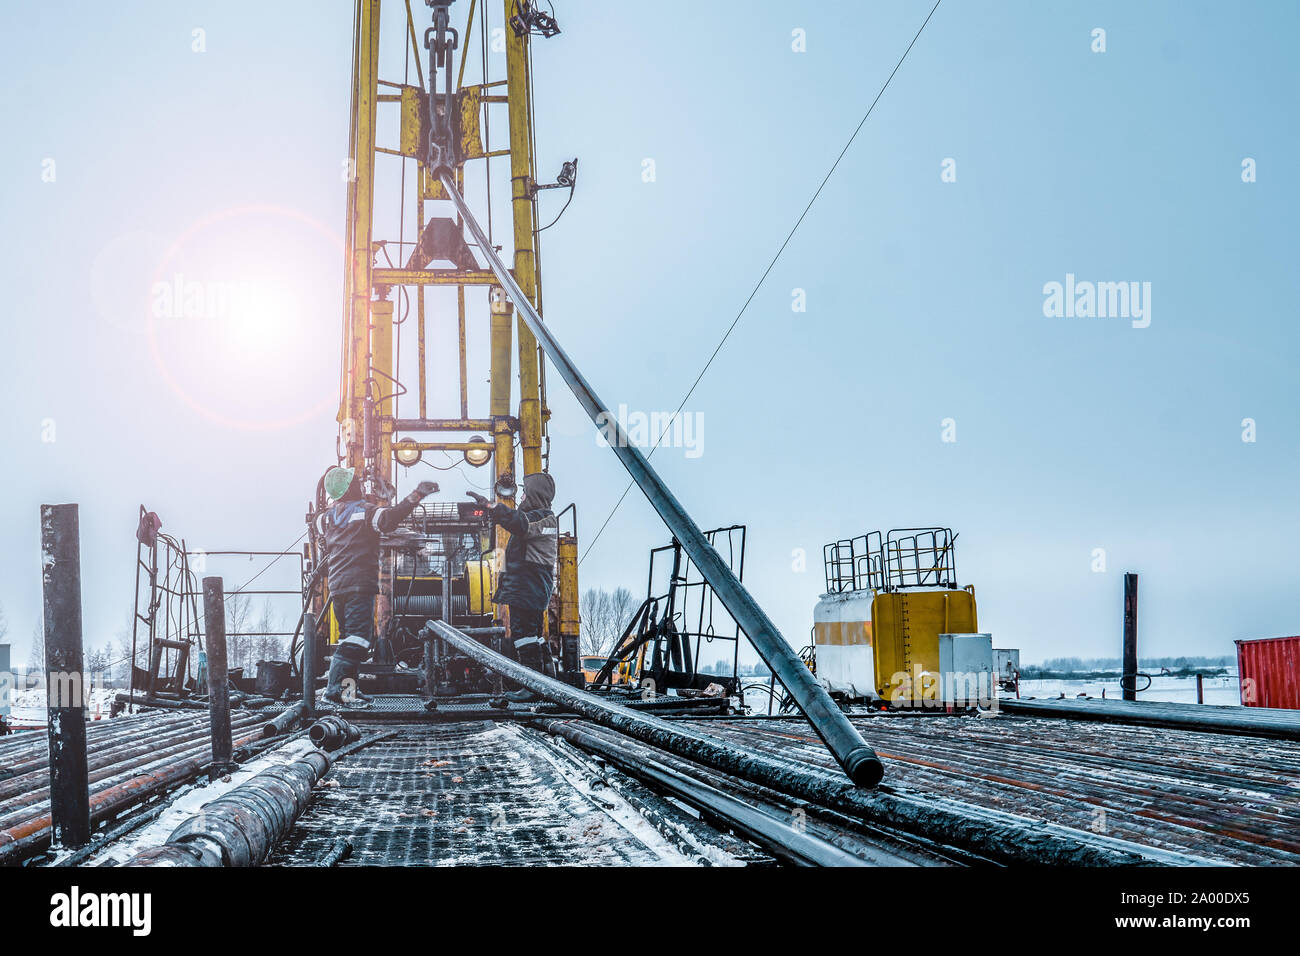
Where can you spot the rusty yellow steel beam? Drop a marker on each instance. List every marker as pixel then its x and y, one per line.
pixel 394 277
pixel 521 194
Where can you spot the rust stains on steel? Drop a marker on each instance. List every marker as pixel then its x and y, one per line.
pixel 31 835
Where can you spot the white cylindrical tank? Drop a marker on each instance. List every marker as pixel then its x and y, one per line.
pixel 842 641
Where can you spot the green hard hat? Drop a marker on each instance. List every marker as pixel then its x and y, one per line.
pixel 337 481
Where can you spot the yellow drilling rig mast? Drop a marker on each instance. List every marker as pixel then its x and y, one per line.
pixel 442 124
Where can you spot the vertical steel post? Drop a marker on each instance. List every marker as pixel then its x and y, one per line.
pixel 361 192
pixel 522 180
pixel 1200 688
pixel 1128 682
pixel 309 663
pixel 64 675
pixel 214 626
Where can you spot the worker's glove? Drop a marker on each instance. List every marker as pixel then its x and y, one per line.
pixel 479 499
pixel 422 491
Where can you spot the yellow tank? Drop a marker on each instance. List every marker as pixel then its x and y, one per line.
pixel 906 625
pixel 842 644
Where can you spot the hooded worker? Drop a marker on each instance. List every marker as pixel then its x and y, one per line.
pixel 352 527
pixel 529 575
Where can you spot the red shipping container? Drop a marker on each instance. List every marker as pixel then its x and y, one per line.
pixel 1269 671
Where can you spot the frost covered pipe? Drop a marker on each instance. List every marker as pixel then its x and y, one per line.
pixel 1000 836
pixel 996 834
pixel 241 827
pixel 728 758
pixel 842 739
pixel 18 790
pixel 21 840
pixel 273 728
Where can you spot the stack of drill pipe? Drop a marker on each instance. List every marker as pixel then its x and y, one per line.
pixel 106 763
pixel 128 777
pixel 988 833
pixel 23 752
pixel 121 732
pixel 240 827
pixel 993 834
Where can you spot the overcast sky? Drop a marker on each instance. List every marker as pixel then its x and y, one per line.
pixel 133 157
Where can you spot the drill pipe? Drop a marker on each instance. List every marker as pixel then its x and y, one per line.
pixel 777 836
pixel 332 732
pixel 990 833
pixel 993 834
pixel 33 835
pixel 674 738
pixel 176 747
pixel 841 737
pixel 240 827
pixel 273 728
pixel 13 763
pixel 103 762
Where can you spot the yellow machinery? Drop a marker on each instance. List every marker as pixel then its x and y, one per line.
pixel 889 598
pixel 407 261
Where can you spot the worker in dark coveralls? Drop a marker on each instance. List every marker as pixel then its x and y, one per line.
pixel 529 575
pixel 352 527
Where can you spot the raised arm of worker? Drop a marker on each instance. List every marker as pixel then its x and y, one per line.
pixel 385 519
pixel 514 520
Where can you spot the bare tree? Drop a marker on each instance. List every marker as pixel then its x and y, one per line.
pixel 604 615
pixel 621 608
pixel 97 661
pixel 269 648
pixel 239 649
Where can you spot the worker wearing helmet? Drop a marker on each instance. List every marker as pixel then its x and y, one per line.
pixel 529 575
pixel 352 527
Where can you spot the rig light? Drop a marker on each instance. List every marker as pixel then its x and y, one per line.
pixel 477 456
pixel 406 452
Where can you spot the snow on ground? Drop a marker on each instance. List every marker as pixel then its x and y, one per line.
pixel 29 706
pixel 1178 690
pixel 626 817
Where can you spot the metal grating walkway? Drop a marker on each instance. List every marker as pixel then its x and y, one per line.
pixel 460 794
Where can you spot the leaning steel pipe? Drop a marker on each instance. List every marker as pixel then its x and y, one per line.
pixel 841 737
